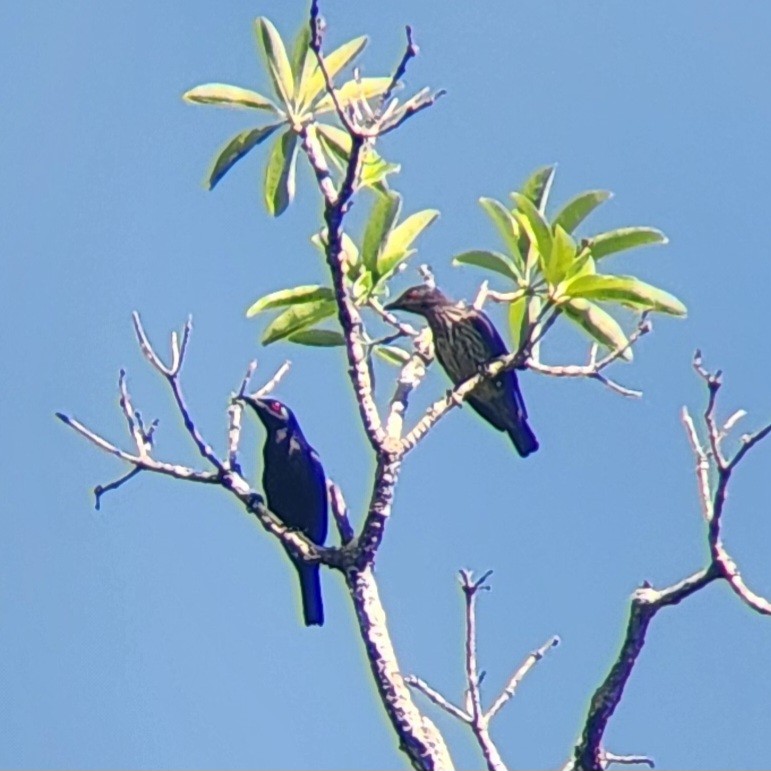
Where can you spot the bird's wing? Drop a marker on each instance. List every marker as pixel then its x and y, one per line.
pixel 486 329
pixel 503 391
pixel 311 488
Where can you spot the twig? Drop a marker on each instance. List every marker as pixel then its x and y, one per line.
pixel 340 512
pixel 628 760
pixel 480 722
pixel 434 696
pixel 410 377
pixel 100 490
pixel 410 52
pixel 593 370
pixel 406 330
pixel 511 687
pixel 169 469
pixel 135 429
pixel 171 374
pixel 317 30
pixel 428 276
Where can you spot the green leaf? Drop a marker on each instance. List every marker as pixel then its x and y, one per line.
pixel 362 287
pixel 398 242
pixel 624 238
pixel 583 265
pixel 516 315
pixel 534 308
pixel 481 258
pixel 295 295
pixel 333 62
pixel 626 290
pixel 538 186
pixel 374 171
pixel 337 137
pixel 323 338
pixel 575 211
pixel 296 318
pixel 273 49
pixel 563 255
pixel 280 173
pixel 225 95
pixel 392 354
pixel 301 54
pixel 236 149
pixel 336 147
pixel 385 209
pixel 523 315
pixel 366 88
pixel 506 225
pixel 539 228
pixel 599 324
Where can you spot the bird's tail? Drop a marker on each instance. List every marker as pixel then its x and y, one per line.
pixel 310 589
pixel 523 437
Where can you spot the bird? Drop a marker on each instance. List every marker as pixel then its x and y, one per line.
pixel 464 340
pixel 295 490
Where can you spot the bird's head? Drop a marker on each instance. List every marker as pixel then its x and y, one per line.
pixel 419 299
pixel 274 415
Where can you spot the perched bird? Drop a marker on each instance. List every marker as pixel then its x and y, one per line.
pixel 464 340
pixel 296 491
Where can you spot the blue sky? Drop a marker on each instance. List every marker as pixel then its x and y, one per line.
pixel 163 631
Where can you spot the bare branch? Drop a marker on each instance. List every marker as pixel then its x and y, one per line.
pixel 410 377
pixel 390 318
pixel 433 695
pixel 135 429
pixel 713 382
pixel 428 276
pixel 627 760
pixel 169 469
pixel 646 601
pixel 594 368
pixel 520 674
pixel 317 32
pixel 470 589
pixel 410 52
pixel 340 512
pixel 425 748
pixel 730 571
pixel 381 502
pixel 702 465
pixel 100 490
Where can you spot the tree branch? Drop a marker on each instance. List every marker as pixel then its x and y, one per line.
pixel 646 601
pixel 418 738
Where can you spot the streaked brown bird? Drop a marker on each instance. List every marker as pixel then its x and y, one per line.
pixel 464 340
pixel 296 491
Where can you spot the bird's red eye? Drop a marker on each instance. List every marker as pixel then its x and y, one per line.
pixel 276 407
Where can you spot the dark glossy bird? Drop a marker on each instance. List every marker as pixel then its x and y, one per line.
pixel 295 490
pixel 464 340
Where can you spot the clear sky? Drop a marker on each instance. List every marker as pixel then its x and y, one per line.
pixel 163 631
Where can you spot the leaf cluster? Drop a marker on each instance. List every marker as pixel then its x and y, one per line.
pixel 300 98
pixel 548 270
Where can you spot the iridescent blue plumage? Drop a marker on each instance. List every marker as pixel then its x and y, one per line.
pixel 295 490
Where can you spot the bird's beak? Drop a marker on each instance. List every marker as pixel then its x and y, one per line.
pixel 396 305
